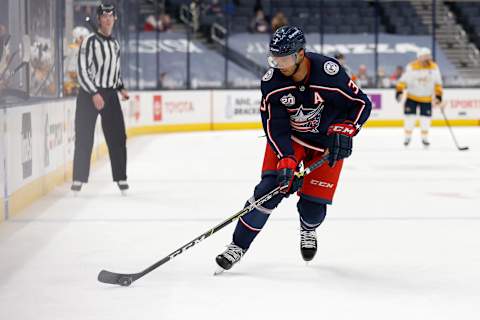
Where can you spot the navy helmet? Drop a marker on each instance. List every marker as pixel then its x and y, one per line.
pixel 106 8
pixel 287 40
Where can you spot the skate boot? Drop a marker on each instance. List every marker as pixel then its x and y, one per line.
pixel 308 244
pixel 425 142
pixel 123 186
pixel 407 140
pixel 229 257
pixel 76 187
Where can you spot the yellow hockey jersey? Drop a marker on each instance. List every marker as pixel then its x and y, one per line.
pixel 422 82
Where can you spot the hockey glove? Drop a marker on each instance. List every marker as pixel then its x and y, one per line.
pixel 398 96
pixel 341 136
pixel 286 179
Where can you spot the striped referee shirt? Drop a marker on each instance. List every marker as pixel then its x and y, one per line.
pixel 99 63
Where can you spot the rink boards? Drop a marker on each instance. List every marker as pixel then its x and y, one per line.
pixel 37 151
pixel 37 142
pixel 151 111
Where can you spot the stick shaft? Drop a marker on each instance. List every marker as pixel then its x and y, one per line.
pixel 218 227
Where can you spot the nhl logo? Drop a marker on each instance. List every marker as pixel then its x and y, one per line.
pixel 331 68
pixel 288 100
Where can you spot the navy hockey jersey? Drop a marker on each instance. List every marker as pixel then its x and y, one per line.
pixel 302 112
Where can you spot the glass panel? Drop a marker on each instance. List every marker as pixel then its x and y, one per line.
pixel 13 69
pixel 41 28
pixel 5 46
pixel 208 60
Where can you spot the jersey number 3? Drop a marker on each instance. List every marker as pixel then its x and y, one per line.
pixel 353 86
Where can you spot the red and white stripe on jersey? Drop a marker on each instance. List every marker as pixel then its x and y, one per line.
pixel 269 132
pixel 279 90
pixel 303 143
pixel 347 96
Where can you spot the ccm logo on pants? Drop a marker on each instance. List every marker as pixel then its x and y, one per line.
pixel 322 184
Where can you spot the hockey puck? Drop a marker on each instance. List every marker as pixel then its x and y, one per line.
pixel 125 281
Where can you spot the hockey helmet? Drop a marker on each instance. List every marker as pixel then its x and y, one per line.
pixel 424 52
pixel 106 8
pixel 286 42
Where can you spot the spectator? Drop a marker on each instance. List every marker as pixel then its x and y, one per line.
pixel 259 23
pixel 363 79
pixel 195 8
pixel 396 75
pixel 166 22
pixel 382 80
pixel 214 8
pixel 161 23
pixel 278 20
pixel 343 62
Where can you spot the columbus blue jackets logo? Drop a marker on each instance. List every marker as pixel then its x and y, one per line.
pixel 306 119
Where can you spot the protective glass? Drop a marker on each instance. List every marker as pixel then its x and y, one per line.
pixel 283 62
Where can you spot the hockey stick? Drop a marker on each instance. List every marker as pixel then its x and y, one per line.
pixel 126 279
pixel 451 132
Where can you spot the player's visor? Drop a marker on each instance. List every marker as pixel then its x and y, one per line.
pixel 283 62
pixel 108 13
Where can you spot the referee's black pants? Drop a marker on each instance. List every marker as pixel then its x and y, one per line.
pixel 113 127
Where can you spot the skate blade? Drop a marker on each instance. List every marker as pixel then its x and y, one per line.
pixel 219 271
pixel 75 193
pixel 124 193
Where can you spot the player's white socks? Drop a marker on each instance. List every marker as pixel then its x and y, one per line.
pixel 425 126
pixel 409 124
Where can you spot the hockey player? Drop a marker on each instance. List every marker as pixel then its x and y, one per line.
pixel 70 86
pixel 309 105
pixel 422 81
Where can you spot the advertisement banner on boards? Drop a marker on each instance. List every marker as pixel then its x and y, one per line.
pixel 171 107
pixel 233 106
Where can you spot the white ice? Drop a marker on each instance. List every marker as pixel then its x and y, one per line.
pixel 402 240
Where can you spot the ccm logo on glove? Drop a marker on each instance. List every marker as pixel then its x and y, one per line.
pixel 346 129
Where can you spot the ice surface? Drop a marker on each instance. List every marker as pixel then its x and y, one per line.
pixel 401 241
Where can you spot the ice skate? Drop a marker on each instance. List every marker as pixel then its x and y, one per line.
pixel 425 142
pixel 76 187
pixel 308 244
pixel 123 186
pixel 228 258
pixel 406 142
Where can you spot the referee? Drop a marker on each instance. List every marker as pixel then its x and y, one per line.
pixel 100 80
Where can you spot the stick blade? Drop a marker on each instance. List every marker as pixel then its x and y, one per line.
pixel 463 148
pixel 116 278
